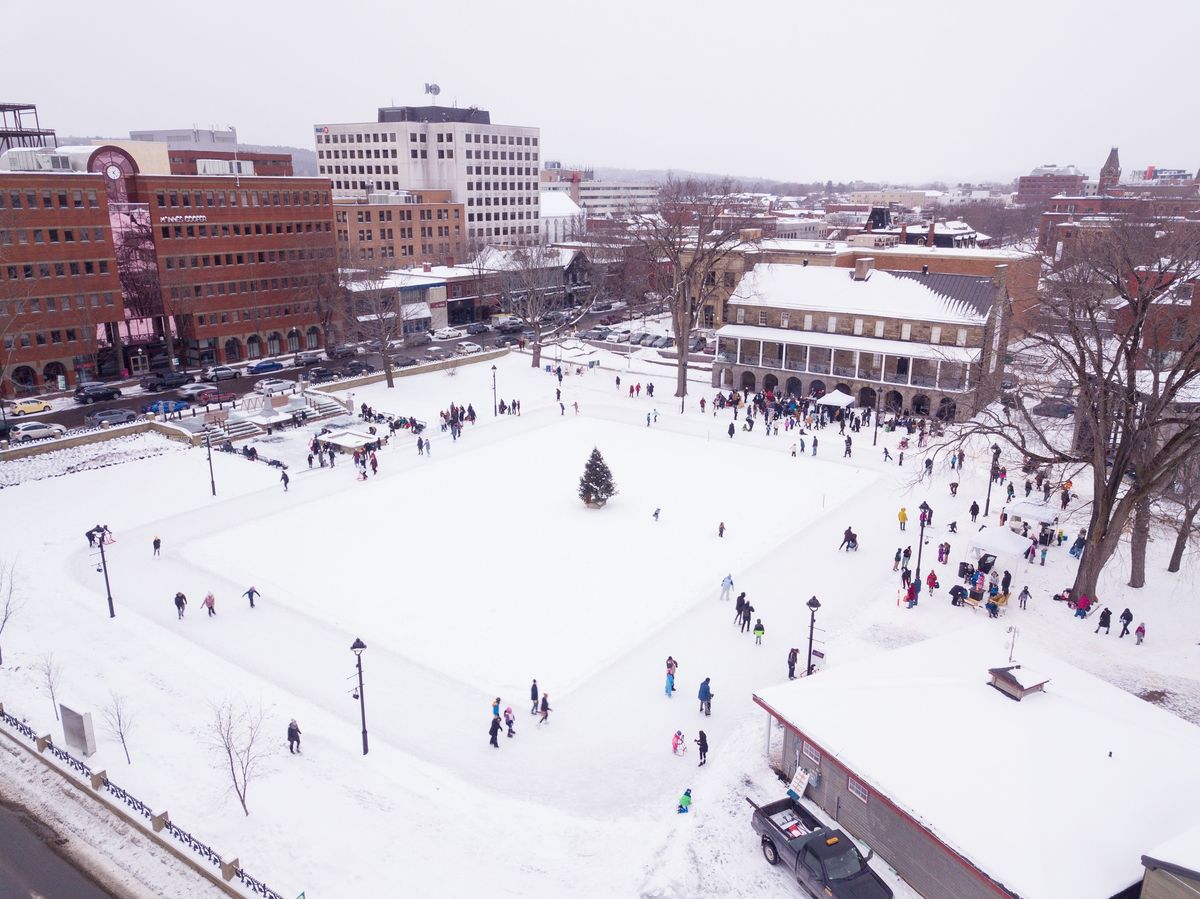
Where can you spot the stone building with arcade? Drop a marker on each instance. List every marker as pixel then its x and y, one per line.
pixel 931 344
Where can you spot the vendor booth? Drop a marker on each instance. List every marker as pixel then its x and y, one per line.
pixel 990 548
pixel 837 399
pixel 1033 521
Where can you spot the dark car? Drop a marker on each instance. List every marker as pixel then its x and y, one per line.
pixel 662 343
pixel 696 345
pixel 342 351
pixel 477 328
pixel 319 374
pixel 263 366
pixel 510 326
pixel 93 393
pixel 403 361
pixel 1054 409
pixel 164 380
pixel 110 416
pixel 356 368
pixel 504 341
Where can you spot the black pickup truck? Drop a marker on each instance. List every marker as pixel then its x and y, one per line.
pixel 825 862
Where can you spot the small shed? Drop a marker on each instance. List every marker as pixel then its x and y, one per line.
pixel 1017 681
pixel 1173 868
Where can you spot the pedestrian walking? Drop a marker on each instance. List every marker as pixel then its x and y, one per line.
pixel 906 557
pixel 721 529
pixel 814 445
pixel 647 419
pixel 210 603
pixel 731 432
pixel 902 515
pixel 494 732
pixel 953 487
pixel 759 630
pixel 545 707
pixel 1126 619
pixel 1140 633
pixel 727 586
pixel 974 510
pixel 793 657
pixel 656 511
pixel 533 697
pixel 1043 554
pixel 1024 596
pixel 510 722
pixel 284 477
pixel 250 594
pixel 1105 620
pixel 737 610
pixel 702 742
pixel 747 611
pixel 293 734
pixel 180 604
pixel 705 696
pixel 157 545
pixel 576 405
pixel 420 447
pixel 896 560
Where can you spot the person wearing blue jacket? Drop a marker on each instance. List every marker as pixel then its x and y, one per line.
pixel 705 695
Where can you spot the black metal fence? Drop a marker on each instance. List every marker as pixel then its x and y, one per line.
pixel 252 884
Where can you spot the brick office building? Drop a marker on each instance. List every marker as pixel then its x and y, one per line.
pixel 230 162
pixel 416 227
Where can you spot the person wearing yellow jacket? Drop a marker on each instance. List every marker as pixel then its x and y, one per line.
pixel 903 517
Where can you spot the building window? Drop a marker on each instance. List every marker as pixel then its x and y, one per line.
pixel 857 789
pixel 832 324
pixel 762 318
pixel 858 326
pixel 808 323
pixel 784 320
pixel 811 752
pixel 879 328
pixel 962 337
pixel 935 334
pixel 741 316
pixel 906 331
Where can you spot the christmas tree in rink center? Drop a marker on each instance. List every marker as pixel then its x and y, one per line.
pixel 596 485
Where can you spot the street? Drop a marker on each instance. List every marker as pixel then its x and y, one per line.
pixel 30 868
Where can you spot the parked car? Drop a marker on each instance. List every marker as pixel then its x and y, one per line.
pixel 212 395
pixel 601 307
pixel 343 351
pixel 28 407
pixel 637 337
pixel 403 361
pixel 263 366
pixel 190 391
pixel 1054 409
pixel 504 341
pixel 662 343
pixel 448 334
pixel 319 374
pixel 511 326
pixel 110 416
pixel 356 368
pixel 435 352
pixel 92 393
pixel 419 339
pixel 307 357
pixel 477 328
pixel 465 348
pixel 34 430
pixel 164 380
pixel 824 862
pixel 619 337
pixel 220 373
pixel 696 344
pixel 167 407
pixel 269 386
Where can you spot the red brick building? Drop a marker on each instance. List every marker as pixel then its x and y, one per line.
pixel 1036 189
pixel 265 165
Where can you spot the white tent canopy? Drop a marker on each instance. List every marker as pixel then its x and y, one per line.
pixel 836 398
pixel 1042 513
pixel 998 542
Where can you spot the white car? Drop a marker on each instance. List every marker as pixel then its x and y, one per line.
pixel 448 333
pixel 618 337
pixel 268 386
pixel 466 348
pixel 35 430
pixel 191 391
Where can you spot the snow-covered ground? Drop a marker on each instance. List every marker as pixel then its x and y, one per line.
pixel 473 570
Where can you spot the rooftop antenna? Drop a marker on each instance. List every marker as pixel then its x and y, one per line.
pixel 433 90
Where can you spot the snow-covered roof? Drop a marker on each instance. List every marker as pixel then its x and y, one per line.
pixel 1011 786
pixel 836 398
pixel 1023 676
pixel 910 349
pixel 402 279
pixel 557 204
pixel 999 542
pixel 411 312
pixel 824 288
pixel 1030 511
pixel 494 259
pixel 1180 851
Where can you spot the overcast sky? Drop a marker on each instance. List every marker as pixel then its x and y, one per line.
pixel 804 90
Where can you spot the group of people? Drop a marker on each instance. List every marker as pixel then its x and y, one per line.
pixel 539 704
pixel 209 603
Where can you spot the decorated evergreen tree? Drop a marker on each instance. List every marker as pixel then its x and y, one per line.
pixel 596 485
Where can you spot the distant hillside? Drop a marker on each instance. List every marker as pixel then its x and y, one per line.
pixel 745 182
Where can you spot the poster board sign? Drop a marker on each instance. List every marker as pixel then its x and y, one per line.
pixel 799 782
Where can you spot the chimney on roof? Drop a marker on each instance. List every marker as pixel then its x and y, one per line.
pixel 904 234
pixel 931 240
pixel 862 268
pixel 1000 276
pixel 924 270
pixel 426 267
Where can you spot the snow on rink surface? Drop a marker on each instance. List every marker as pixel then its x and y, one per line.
pixel 468 573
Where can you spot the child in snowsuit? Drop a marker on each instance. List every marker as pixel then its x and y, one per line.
pixel 293 737
pixel 685 802
pixel 1140 633
pixel 545 709
pixel 759 630
pixel 678 746
pixel 210 603
pixel 509 721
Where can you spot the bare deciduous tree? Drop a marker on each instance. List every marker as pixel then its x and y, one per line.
pixel 10 603
pixel 694 226
pixel 119 720
pixel 531 284
pixel 51 673
pixel 236 735
pixel 375 310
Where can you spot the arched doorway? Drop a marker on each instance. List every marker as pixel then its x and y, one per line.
pixel 893 401
pixel 53 371
pixel 24 376
pixel 770 382
pixel 866 398
pixel 312 338
pixel 920 404
pixel 274 343
pixel 293 340
pixel 747 380
pixel 794 386
pixel 816 388
pixel 845 388
pixel 254 347
pixel 233 350
pixel 946 409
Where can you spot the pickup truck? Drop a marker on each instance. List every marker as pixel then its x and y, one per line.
pixel 826 862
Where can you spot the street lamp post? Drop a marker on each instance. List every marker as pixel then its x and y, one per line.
pixel 987 506
pixel 875 439
pixel 357 647
pixel 920 546
pixel 494 412
pixel 813 604
pixel 104 567
pixel 211 477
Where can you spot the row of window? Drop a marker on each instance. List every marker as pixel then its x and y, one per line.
pixel 261 257
pixel 388 251
pixel 368 234
pixel 234 288
pixel 403 215
pixel 26 236
pixel 243 229
pixel 218 199
pixel 420 137
pixel 28 339
pixel 503 231
pixel 498 216
pixel 29 271
pixel 80 302
pixel 856 788
pixel 831 324
pixel 492 187
pixel 504 170
pixel 252 313
pixel 51 198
